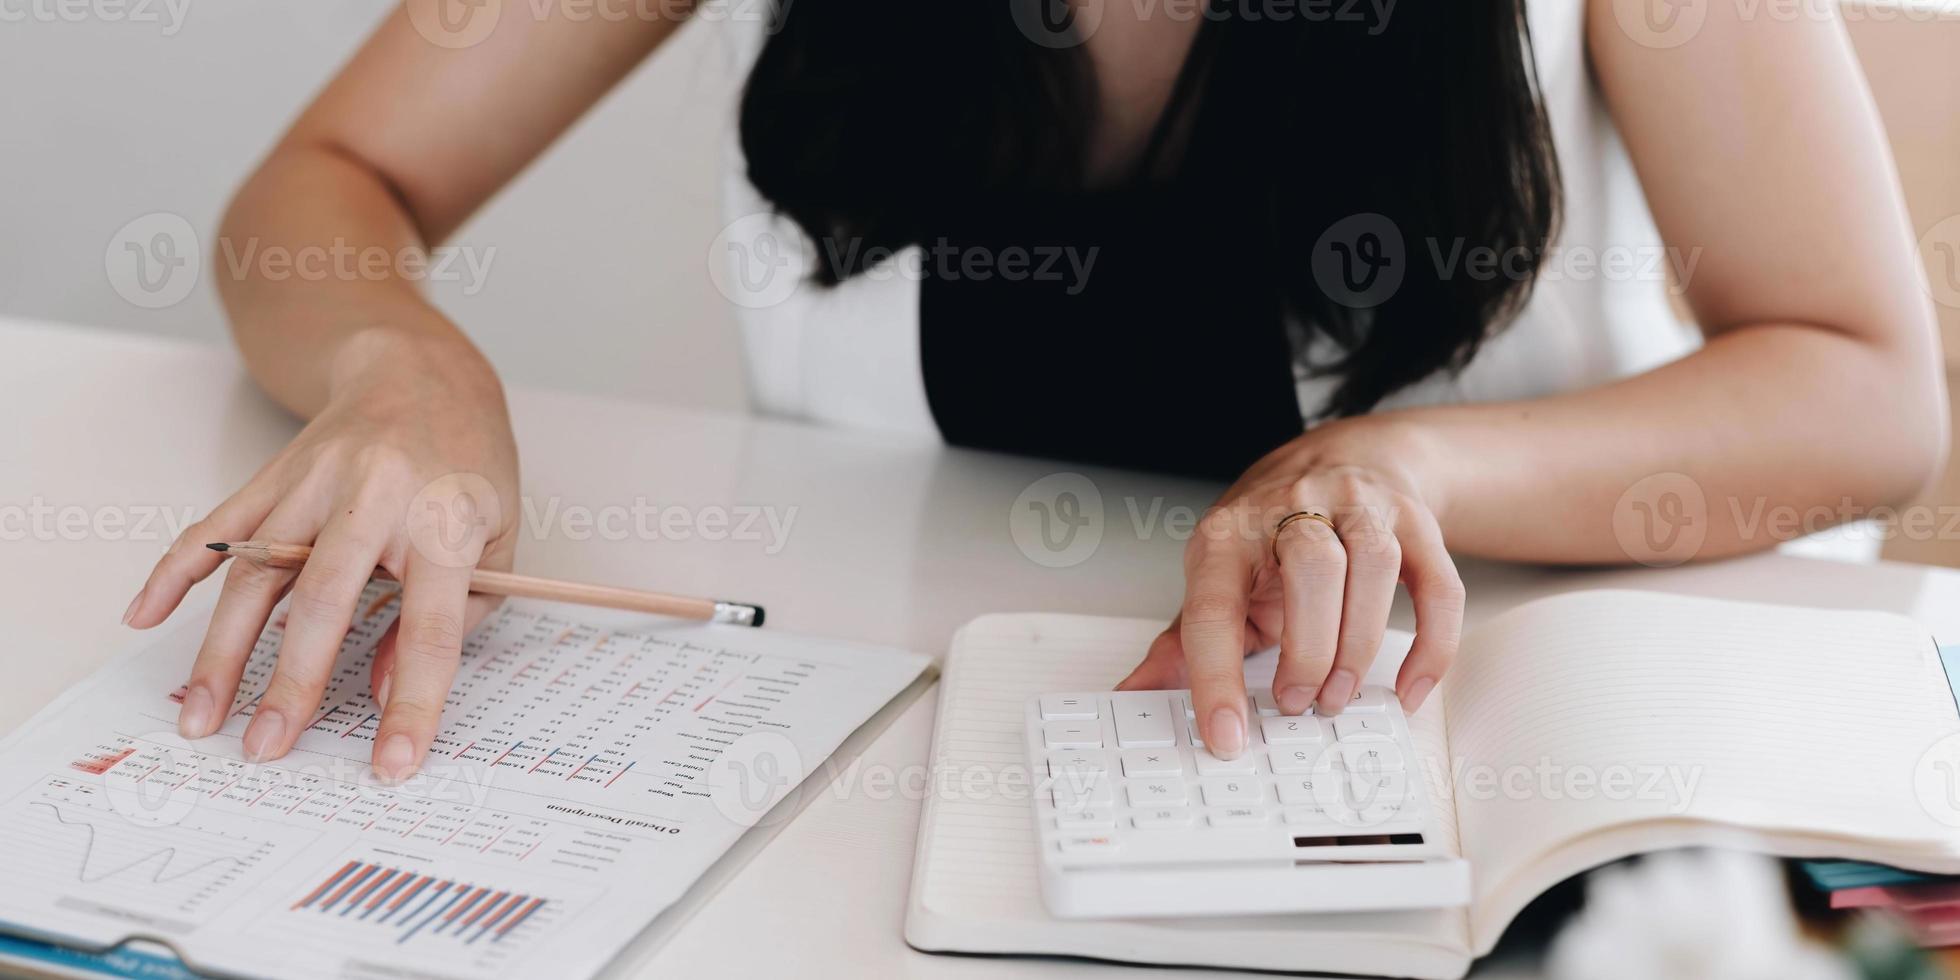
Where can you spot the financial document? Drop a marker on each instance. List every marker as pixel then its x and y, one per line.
pixel 591 766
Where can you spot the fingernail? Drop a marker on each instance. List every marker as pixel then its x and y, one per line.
pixel 1417 692
pixel 1335 693
pixel 130 613
pixel 1227 734
pixel 381 696
pixel 396 760
pixel 264 735
pixel 1296 700
pixel 194 719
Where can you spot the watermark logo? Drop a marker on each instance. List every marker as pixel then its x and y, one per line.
pixel 1057 23
pixel 1662 520
pixel 755 773
pixel 1661 24
pixel 1057 522
pixel 152 803
pixel 1936 780
pixel 755 262
pixel 153 262
pixel 1940 251
pixel 455 24
pixel 1360 261
pixel 452 518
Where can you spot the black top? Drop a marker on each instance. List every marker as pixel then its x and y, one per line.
pixel 1146 328
pixel 1169 354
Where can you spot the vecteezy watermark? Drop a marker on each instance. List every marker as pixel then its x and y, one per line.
pixel 1672 23
pixel 169 14
pixel 642 519
pixel 1670 786
pixel 1068 23
pixel 153 261
pixel 1661 520
pixel 39 520
pixel 753 775
pixel 452 519
pixel 1057 522
pixel 1362 260
pixel 466 23
pixel 1939 250
pixel 761 260
pixel 344 261
pixel 1936 780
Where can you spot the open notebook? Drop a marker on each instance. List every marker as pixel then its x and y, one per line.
pixel 1573 731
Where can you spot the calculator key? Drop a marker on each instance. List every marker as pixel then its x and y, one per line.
pixel 1191 725
pixel 1071 734
pixel 1088 818
pixel 1162 818
pixel 1092 793
pixel 1369 699
pixel 1237 816
pixel 1088 844
pixel 1083 763
pixel 1312 818
pixel 1370 757
pixel 1353 727
pixel 1068 707
pixel 1295 758
pixel 1152 762
pixel 1143 720
pixel 1377 788
pixel 1225 791
pixel 1291 731
pixel 1211 765
pixel 1316 790
pixel 1157 792
pixel 1263 705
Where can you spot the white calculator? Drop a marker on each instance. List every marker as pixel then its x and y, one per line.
pixel 1318 814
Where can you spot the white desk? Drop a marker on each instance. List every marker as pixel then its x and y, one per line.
pixel 894 542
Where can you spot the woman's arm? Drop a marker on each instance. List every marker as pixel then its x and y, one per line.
pixel 1819 389
pixel 399 149
pixel 408 462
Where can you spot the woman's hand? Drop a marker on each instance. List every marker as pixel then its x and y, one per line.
pixel 410 467
pixel 1321 590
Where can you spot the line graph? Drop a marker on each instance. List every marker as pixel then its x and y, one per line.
pixel 67 841
pixel 159 876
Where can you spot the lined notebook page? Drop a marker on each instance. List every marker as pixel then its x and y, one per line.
pixel 976 873
pixel 1595 710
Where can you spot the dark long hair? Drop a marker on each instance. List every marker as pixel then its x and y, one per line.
pixel 867 121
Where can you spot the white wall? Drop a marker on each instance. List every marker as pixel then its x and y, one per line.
pixel 598 280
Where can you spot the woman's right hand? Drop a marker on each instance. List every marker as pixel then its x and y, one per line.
pixel 410 467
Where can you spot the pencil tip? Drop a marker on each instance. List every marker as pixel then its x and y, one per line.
pixel 219 546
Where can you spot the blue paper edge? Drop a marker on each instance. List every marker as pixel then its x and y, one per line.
pixel 122 961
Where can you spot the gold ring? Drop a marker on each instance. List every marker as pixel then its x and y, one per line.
pixel 1294 518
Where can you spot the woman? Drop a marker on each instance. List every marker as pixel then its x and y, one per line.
pixel 1291 228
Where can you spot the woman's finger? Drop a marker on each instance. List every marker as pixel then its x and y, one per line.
pixel 250 591
pixel 1313 574
pixel 1374 565
pixel 381 668
pixel 324 598
pixel 1212 632
pixel 1437 591
pixel 189 562
pixel 428 643
pixel 1162 668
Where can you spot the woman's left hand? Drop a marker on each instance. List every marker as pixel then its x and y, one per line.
pixel 1320 589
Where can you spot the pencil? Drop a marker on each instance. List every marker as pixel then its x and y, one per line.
pixel 484 581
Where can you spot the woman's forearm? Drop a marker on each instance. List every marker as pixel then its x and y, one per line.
pixel 1767 433
pixel 317 263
